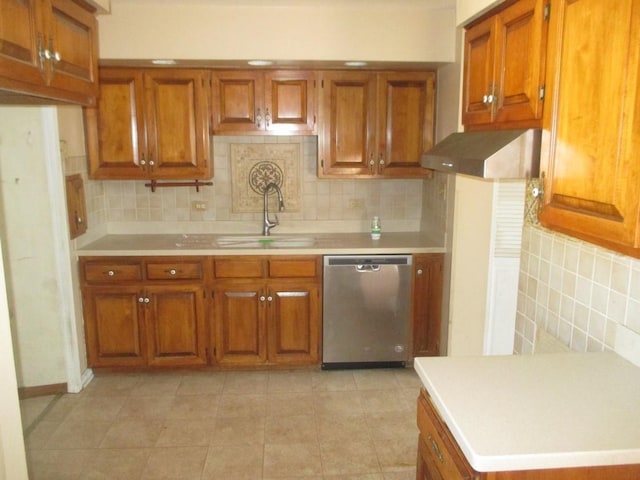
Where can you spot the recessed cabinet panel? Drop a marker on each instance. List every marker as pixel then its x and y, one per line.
pixel 236 96
pixel 19 27
pixel 76 205
pixel 590 163
pixel 478 72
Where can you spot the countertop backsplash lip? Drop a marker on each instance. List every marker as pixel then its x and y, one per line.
pixel 326 243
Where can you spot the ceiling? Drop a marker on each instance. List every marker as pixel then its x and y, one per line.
pixel 304 3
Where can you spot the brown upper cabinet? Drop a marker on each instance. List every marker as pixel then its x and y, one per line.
pixel 375 124
pixel 504 67
pixel 150 124
pixel 591 142
pixel 263 102
pixel 48 50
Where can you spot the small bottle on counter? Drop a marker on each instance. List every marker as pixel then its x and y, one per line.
pixel 375 228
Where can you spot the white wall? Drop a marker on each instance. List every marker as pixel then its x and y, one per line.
pixel 466 10
pixel 27 235
pixel 375 31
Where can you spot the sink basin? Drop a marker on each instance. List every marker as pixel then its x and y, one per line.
pixel 240 241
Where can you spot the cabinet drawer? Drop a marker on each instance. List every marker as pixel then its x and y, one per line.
pixel 175 271
pixel 440 445
pixel 239 267
pixel 293 268
pixel 112 272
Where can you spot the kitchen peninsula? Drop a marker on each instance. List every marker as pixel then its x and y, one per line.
pixel 546 416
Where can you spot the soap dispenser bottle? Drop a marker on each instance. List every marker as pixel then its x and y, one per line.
pixel 375 228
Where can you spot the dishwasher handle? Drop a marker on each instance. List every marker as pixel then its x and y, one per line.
pixel 367 268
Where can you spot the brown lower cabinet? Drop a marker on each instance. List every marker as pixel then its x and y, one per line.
pixel 227 311
pixel 267 310
pixel 440 457
pixel 144 311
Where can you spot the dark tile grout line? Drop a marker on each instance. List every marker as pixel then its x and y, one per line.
pixel 42 414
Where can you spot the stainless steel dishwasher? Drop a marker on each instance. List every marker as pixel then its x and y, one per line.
pixel 366 305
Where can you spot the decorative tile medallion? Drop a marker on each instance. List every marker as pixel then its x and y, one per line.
pixel 255 165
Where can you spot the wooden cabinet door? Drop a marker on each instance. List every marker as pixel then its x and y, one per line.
pixel 348 109
pixel 116 135
pixel 590 159
pixel 237 101
pixel 76 205
pixel 177 121
pixel 478 75
pixel 294 323
pixel 427 304
pixel 240 324
pixel 406 122
pixel 73 40
pixel 21 40
pixel 114 326
pixel 176 325
pixel 425 469
pixel 520 62
pixel 289 98
pixel 504 68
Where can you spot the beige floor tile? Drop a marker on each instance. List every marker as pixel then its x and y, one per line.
pixel 298 429
pixel 288 404
pixel 178 463
pixel 404 475
pixel 78 434
pixel 246 382
pixel 349 458
pixel 32 408
pixel 366 476
pixel 408 378
pixel 399 455
pixel 377 401
pixel 160 384
pixel 287 381
pixel 57 464
pixel 333 381
pixel 234 462
pixel 202 383
pixel 132 432
pixel 337 403
pixel 96 408
pixel 392 425
pixel 38 436
pixel 292 459
pixel 376 379
pixel 238 431
pixel 116 464
pixel 111 385
pixel 179 433
pixel 194 407
pixel 340 429
pixel 62 407
pixel 247 405
pixel 157 407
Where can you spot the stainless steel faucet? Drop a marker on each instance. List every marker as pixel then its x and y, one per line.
pixel 267 224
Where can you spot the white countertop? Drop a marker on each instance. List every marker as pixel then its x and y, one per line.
pixel 204 244
pixel 538 411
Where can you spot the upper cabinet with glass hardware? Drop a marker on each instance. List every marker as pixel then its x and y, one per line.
pixel 263 102
pixel 375 124
pixel 48 49
pixel 590 155
pixel 150 124
pixel 504 67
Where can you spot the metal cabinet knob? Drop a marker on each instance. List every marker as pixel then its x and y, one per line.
pixel 270 298
pixel 419 271
pixel 262 298
pixel 111 273
pixel 172 272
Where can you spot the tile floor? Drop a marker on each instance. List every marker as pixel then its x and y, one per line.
pixel 312 425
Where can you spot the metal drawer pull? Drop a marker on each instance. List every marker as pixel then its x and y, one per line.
pixel 436 449
pixel 173 271
pixel 111 273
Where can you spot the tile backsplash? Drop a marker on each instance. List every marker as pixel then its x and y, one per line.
pixel 577 292
pixel 327 205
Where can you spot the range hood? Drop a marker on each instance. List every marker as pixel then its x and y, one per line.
pixel 488 154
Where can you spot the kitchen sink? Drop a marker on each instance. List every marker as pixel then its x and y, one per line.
pixel 260 241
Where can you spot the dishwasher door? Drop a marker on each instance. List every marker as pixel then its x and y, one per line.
pixel 366 308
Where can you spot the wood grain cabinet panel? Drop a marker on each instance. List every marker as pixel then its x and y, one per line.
pixel 504 67
pixel 76 205
pixel 150 124
pixel 137 313
pixel 375 124
pixel 258 102
pixel 590 155
pixel 270 319
pixel 427 303
pixel 49 49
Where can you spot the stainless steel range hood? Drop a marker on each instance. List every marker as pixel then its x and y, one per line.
pixel 488 154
